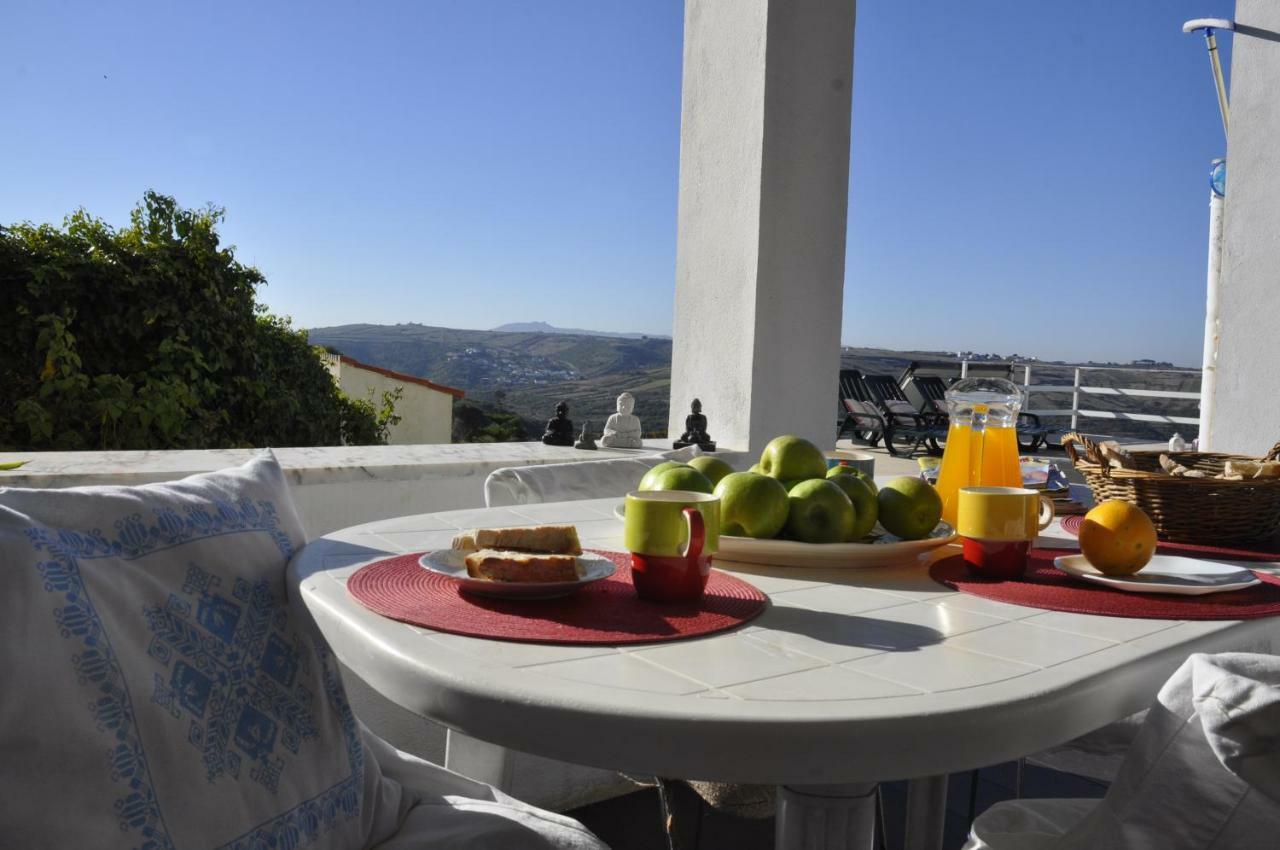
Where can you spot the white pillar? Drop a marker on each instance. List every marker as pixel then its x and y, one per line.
pixel 764 173
pixel 1246 402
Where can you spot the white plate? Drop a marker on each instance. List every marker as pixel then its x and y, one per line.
pixel 449 562
pixel 884 551
pixel 1166 574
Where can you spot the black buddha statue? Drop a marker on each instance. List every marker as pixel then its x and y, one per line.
pixel 585 440
pixel 560 427
pixel 695 430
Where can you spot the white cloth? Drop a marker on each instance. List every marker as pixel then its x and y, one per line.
pixel 158 692
pixel 564 482
pixel 1203 772
pixel 443 809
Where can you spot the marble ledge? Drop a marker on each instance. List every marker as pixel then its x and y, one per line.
pixel 303 465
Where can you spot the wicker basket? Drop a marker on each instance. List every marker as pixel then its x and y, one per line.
pixel 1209 511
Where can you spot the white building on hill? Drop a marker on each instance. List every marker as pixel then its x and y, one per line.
pixel 425 407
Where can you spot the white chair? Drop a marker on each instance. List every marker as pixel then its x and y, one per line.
pixel 1203 772
pixel 160 690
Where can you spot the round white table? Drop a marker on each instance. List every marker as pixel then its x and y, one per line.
pixel 849 678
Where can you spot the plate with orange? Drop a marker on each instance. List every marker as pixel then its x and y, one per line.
pixel 1117 549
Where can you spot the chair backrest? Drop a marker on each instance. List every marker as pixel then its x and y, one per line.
pixel 851 385
pixel 931 387
pixel 883 388
pixel 932 392
pixel 564 482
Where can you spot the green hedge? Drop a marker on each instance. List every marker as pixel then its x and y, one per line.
pixel 151 337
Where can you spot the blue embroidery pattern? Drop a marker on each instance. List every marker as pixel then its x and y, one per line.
pixel 234 675
pixel 233 666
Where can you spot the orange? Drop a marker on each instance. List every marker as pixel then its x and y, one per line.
pixel 1117 538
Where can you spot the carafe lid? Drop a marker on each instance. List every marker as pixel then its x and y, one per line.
pixel 989 391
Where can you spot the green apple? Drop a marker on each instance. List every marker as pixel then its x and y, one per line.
pixel 650 477
pixel 856 473
pixel 683 478
pixel 866 507
pixel 909 507
pixel 712 467
pixel 751 505
pixel 755 469
pixel 791 457
pixel 819 512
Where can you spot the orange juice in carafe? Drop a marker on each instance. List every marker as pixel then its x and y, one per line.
pixel 982 442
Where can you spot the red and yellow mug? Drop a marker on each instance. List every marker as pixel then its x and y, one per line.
pixel 671 535
pixel 997 526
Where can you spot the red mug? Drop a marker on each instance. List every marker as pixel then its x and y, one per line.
pixel 675 578
pixel 997 526
pixel 1002 559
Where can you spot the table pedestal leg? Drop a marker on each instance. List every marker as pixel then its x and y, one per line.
pixel 926 813
pixel 826 817
pixel 478 760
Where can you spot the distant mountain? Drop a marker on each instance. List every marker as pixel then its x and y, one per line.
pixel 544 328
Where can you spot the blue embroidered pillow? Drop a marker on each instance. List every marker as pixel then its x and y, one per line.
pixel 155 691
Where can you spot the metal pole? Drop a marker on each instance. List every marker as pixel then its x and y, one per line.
pixel 1209 366
pixel 1075 402
pixel 1216 65
pixel 1208 25
pixel 964 368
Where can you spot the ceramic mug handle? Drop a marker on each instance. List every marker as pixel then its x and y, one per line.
pixel 697 533
pixel 1046 512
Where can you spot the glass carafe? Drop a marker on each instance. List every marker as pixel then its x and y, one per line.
pixel 982 441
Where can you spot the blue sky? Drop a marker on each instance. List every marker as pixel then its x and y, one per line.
pixel 1025 177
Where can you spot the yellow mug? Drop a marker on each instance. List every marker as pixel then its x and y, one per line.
pixel 997 526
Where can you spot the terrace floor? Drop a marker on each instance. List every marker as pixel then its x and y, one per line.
pixel 633 822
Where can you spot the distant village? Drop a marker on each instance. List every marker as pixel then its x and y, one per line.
pixel 506 368
pixel 984 357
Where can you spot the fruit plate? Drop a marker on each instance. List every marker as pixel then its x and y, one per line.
pixel 882 550
pixel 449 562
pixel 1166 574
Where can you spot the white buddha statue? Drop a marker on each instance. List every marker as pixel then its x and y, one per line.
pixel 622 430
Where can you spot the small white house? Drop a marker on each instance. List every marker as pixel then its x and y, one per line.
pixel 425 407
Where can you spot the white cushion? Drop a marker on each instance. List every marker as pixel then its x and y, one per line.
pixel 1201 772
pixel 159 693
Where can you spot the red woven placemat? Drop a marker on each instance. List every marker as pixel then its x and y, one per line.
pixel 1045 586
pixel 1265 550
pixel 606 611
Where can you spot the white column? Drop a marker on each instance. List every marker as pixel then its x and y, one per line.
pixel 1246 402
pixel 764 172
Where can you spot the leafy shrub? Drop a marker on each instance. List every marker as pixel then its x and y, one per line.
pixel 473 424
pixel 151 337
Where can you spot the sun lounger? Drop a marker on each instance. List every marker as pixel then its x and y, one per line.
pixel 860 417
pixel 905 427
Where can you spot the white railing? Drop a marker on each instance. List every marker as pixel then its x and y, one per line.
pixel 1077 389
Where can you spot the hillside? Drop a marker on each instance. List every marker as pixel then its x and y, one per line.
pixel 527 372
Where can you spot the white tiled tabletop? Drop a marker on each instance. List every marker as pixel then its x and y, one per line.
pixel 850 676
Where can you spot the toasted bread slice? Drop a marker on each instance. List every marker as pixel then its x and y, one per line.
pixel 500 565
pixel 553 539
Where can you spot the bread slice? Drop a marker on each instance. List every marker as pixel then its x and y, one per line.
pixel 555 539
pixel 500 565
